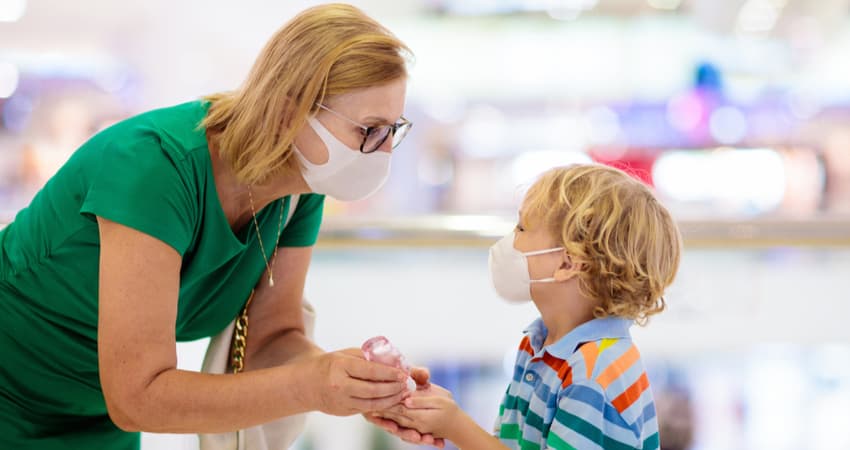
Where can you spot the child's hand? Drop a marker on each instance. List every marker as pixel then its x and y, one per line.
pixel 431 390
pixel 383 419
pixel 430 409
pixel 422 390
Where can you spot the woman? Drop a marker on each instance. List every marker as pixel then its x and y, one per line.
pixel 159 228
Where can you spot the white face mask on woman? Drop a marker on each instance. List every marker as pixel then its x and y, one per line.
pixel 348 174
pixel 509 270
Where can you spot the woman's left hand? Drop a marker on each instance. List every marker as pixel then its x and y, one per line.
pixel 408 435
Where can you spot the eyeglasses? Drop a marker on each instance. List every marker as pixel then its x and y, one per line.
pixel 374 137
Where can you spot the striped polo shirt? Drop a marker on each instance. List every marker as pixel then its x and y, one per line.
pixel 588 390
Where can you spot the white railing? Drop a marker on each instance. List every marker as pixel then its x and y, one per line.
pixel 457 230
pixel 482 230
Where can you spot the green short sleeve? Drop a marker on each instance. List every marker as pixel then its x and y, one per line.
pixel 303 228
pixel 142 186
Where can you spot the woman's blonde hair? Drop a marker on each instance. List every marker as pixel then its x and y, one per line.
pixel 324 51
pixel 626 242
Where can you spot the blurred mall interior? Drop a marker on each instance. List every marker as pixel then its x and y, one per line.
pixel 737 113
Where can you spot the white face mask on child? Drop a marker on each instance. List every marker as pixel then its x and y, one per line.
pixel 509 270
pixel 348 174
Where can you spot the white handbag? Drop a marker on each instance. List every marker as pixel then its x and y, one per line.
pixel 276 435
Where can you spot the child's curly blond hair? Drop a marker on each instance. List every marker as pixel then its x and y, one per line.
pixel 626 242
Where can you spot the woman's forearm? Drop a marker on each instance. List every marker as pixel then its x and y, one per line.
pixel 224 403
pixel 339 383
pixel 178 401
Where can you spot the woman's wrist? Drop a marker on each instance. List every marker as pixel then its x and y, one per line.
pixel 299 375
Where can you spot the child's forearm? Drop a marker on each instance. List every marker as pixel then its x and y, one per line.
pixel 467 435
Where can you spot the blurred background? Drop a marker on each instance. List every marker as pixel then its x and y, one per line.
pixel 735 111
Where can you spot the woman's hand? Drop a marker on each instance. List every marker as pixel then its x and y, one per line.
pixel 408 435
pixel 343 383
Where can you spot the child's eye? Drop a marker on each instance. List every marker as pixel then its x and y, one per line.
pixel 519 227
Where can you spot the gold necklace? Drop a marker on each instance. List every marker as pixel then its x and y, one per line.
pixel 260 238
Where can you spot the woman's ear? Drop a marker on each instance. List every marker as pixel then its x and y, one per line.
pixel 567 270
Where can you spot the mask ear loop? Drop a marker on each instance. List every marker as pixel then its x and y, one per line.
pixel 543 252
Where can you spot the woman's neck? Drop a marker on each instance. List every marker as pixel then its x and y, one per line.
pixel 234 196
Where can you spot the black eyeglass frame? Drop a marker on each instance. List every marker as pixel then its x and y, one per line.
pixel 402 124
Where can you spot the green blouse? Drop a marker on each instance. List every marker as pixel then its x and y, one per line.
pixel 153 173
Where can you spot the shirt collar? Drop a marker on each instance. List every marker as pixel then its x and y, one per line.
pixel 593 330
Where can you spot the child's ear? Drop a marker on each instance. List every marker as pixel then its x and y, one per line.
pixel 568 269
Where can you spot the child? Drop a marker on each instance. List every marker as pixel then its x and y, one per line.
pixel 594 250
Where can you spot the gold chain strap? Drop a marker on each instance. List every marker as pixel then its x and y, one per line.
pixel 240 338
